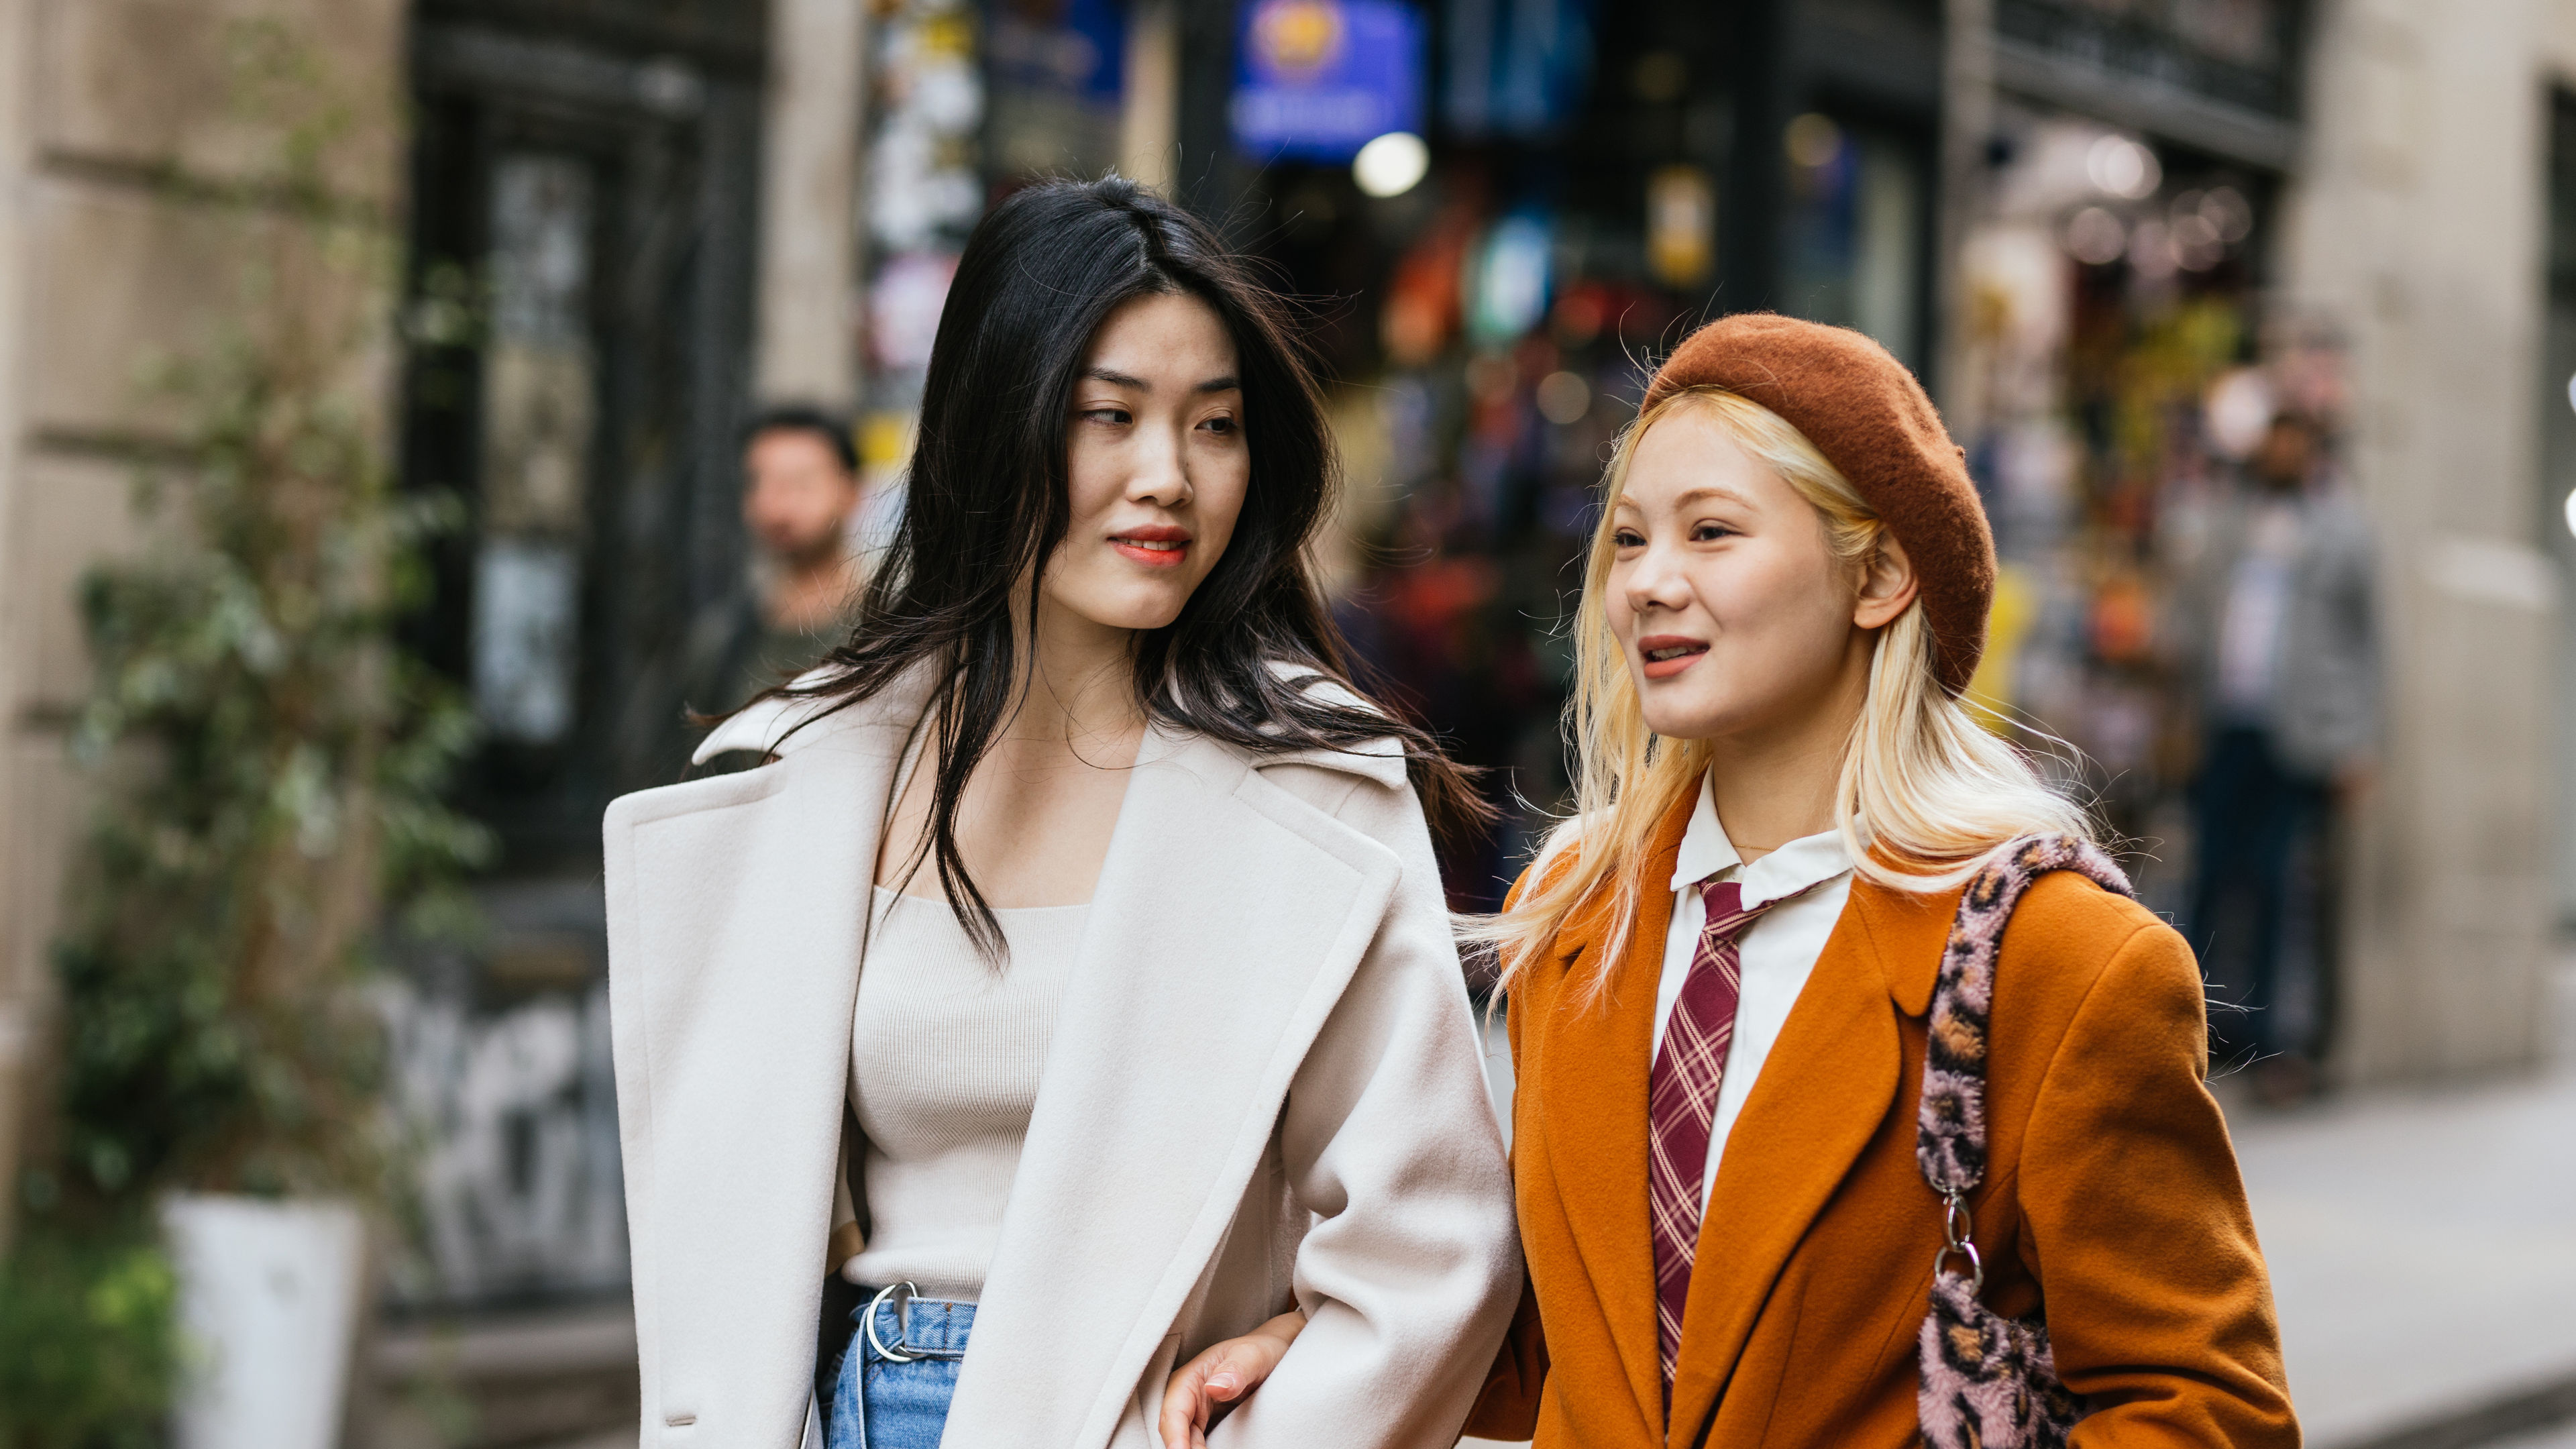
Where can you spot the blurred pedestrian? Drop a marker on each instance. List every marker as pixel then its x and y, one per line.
pixel 1808 1146
pixel 800 501
pixel 2278 628
pixel 1151 1030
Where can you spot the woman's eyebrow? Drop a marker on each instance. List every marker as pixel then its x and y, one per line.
pixel 1228 383
pixel 1711 490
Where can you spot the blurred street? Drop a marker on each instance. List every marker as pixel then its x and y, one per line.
pixel 2423 1252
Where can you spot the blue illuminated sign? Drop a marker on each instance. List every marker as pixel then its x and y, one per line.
pixel 1321 78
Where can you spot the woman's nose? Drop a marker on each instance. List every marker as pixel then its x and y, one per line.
pixel 1162 470
pixel 1654 582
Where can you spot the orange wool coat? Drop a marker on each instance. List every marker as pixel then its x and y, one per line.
pixel 2111 1195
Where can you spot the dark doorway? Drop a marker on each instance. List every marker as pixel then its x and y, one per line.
pixel 579 310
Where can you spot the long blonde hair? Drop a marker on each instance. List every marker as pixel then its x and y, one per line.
pixel 1925 792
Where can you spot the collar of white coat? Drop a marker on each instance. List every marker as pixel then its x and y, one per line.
pixel 781 725
pixel 1807 861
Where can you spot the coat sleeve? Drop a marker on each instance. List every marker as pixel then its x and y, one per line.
pixel 2138 1232
pixel 1408 1273
pixel 1508 1407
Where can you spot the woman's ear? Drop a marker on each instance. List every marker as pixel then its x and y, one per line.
pixel 1887 586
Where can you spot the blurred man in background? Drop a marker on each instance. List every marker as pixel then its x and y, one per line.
pixel 800 497
pixel 2280 631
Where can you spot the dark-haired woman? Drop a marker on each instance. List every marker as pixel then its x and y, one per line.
pixel 1075 981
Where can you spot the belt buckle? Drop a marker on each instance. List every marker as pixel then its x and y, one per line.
pixel 902 1320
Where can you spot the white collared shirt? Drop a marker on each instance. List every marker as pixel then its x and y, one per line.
pixel 1777 951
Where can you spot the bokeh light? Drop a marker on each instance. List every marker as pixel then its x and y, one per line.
pixel 1391 165
pixel 2123 168
pixel 2096 237
pixel 1813 140
pixel 1563 398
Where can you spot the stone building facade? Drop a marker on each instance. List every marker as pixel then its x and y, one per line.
pixel 2418 227
pixel 138 147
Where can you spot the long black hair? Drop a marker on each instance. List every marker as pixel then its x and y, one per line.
pixel 987 504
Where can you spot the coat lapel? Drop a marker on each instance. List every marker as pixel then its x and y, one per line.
pixel 1824 1091
pixel 1228 919
pixel 1598 1055
pixel 1908 933
pixel 734 917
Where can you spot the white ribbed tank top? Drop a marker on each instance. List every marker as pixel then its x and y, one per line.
pixel 946 1050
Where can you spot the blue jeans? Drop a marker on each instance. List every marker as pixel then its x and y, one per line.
pixel 885 1403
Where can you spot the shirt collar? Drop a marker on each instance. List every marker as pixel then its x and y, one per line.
pixel 1807 861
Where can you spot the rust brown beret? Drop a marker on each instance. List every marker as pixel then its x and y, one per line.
pixel 1871 419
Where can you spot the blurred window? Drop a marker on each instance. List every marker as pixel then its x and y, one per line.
pixel 1058 70
pixel 538 410
pixel 1854 230
pixel 2237 52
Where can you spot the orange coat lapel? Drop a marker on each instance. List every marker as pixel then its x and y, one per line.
pixel 1823 1093
pixel 1909 932
pixel 1596 1112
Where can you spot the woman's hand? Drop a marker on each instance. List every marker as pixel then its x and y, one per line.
pixel 1208 1387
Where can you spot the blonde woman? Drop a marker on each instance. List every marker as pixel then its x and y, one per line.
pixel 1723 978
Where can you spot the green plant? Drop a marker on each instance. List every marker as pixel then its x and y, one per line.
pixel 87 1356
pixel 285 793
pixel 271 812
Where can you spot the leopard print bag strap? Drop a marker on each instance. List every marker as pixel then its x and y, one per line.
pixel 1989 1382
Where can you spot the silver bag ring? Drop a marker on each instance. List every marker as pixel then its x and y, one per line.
pixel 1956 1225
pixel 868 1325
pixel 1976 1264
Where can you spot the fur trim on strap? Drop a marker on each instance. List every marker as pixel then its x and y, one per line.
pixel 1989 1382
pixel 1950 1144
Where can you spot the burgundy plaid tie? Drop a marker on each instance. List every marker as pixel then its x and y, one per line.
pixel 1681 1101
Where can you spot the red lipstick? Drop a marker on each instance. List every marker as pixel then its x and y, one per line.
pixel 1156 546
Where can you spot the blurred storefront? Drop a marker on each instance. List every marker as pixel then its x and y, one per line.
pixel 2116 246
pixel 1590 182
pixel 2119 352
pixel 1567 189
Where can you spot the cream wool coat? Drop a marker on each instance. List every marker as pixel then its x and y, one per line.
pixel 1264 1088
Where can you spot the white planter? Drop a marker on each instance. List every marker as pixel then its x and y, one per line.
pixel 268 1301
